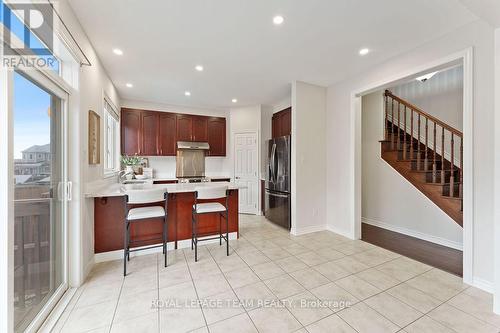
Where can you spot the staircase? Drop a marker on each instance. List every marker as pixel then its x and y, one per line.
pixel 427 152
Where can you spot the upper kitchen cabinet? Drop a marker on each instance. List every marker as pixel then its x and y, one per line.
pixel 217 136
pixel 200 129
pixel 131 132
pixel 184 127
pixel 167 142
pixel 149 133
pixel 282 123
pixel 154 133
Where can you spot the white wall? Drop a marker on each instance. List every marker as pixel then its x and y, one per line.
pixel 164 167
pixel 266 122
pixel 497 173
pixel 247 119
pixel 388 199
pixel 308 158
pixel 283 104
pixel 93 84
pixel 244 119
pixel 340 196
pixel 441 96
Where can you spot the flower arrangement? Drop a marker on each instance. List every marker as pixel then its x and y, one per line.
pixel 131 160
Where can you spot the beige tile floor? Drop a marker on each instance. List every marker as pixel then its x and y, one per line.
pixel 275 282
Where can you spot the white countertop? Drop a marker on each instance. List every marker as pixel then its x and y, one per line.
pixel 116 190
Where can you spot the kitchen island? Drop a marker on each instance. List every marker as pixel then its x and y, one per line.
pixel 109 215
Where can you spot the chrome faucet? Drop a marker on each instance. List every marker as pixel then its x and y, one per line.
pixel 121 175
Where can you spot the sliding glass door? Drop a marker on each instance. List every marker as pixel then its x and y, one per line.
pixel 39 143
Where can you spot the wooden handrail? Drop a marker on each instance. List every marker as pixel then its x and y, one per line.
pixel 425 114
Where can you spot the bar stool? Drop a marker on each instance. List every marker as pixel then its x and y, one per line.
pixel 206 193
pixel 158 210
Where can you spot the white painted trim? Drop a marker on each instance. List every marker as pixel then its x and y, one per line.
pixel 183 244
pixel 6 204
pixel 413 233
pixel 346 234
pixel 465 56
pixel 483 285
pixel 307 230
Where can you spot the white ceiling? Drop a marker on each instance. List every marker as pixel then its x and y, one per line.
pixel 245 56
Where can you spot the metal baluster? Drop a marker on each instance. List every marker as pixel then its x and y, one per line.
pixel 442 155
pixel 399 125
pixel 404 132
pixel 452 164
pixel 426 160
pixel 386 129
pixel 434 166
pixel 418 143
pixel 392 124
pixel 411 134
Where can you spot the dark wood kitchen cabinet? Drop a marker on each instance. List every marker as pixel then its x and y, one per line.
pixel 217 136
pixel 149 133
pixel 154 133
pixel 282 123
pixel 184 127
pixel 131 132
pixel 167 142
pixel 200 129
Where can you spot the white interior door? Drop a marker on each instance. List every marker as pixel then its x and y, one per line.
pixel 246 165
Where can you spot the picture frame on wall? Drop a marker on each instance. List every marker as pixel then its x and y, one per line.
pixel 94 138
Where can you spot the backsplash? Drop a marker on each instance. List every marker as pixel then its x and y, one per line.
pixel 164 167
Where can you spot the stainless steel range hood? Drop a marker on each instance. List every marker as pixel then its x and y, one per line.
pixel 193 145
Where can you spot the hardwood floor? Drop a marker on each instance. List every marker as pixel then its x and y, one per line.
pixel 435 255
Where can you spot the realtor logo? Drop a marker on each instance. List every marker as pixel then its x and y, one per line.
pixel 27 35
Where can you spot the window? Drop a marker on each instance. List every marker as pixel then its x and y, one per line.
pixel 111 138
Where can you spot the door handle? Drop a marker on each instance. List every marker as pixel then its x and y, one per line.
pixel 69 191
pixel 237 177
pixel 277 195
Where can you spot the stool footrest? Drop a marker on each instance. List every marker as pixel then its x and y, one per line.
pixel 145 248
pixel 196 240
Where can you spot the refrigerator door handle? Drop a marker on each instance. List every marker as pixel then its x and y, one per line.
pixel 277 195
pixel 273 154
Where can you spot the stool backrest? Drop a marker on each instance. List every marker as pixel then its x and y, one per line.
pixel 211 192
pixel 135 197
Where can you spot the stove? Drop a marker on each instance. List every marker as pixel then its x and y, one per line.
pixel 193 180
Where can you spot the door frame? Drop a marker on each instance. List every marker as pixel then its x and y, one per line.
pixel 465 57
pixel 46 81
pixel 258 209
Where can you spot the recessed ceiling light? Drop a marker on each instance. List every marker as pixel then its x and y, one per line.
pixel 199 68
pixel 364 51
pixel 187 93
pixel 234 100
pixel 426 77
pixel 117 51
pixel 129 85
pixel 277 20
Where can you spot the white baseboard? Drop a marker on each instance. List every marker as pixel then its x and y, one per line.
pixel 413 233
pixel 307 230
pixel 483 285
pixel 340 232
pixel 183 244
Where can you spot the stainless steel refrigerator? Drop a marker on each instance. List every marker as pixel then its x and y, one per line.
pixel 278 182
